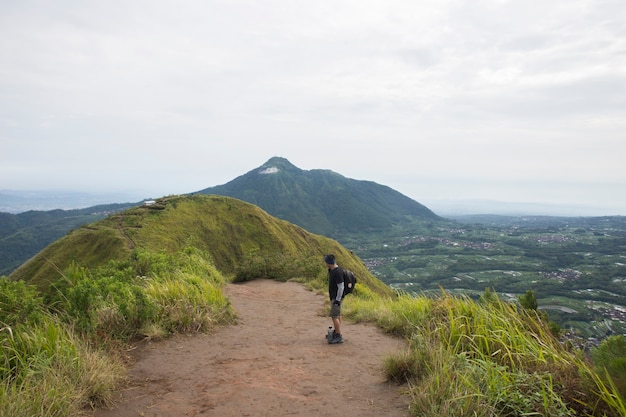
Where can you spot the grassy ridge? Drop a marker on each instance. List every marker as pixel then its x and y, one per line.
pixel 155 271
pixel 242 240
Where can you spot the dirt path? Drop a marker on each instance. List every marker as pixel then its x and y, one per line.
pixel 275 362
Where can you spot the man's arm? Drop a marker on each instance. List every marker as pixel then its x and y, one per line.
pixel 339 292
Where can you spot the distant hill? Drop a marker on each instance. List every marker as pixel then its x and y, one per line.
pixel 23 235
pixel 20 201
pixel 323 201
pixel 241 238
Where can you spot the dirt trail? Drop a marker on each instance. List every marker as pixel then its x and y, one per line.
pixel 275 362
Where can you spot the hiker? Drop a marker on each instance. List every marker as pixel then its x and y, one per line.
pixel 335 292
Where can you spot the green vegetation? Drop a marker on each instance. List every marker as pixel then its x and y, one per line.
pixel 486 358
pixel 49 363
pixel 323 201
pixel 46 369
pixel 153 271
pixel 610 358
pixel 146 272
pixel 241 240
pixel 174 293
pixel 576 267
pixel 23 235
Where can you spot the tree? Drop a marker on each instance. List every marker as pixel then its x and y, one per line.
pixel 610 357
pixel 528 300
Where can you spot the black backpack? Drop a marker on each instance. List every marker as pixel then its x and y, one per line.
pixel 349 281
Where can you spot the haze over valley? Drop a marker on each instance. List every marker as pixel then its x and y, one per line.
pixel 18 201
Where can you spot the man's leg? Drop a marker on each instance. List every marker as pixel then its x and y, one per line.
pixel 337 324
pixel 337 338
pixel 335 314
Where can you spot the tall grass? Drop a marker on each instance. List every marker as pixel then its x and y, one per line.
pixel 48 363
pixel 46 370
pixel 185 302
pixel 469 358
pixel 151 295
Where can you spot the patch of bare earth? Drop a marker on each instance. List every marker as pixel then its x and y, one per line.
pixel 274 362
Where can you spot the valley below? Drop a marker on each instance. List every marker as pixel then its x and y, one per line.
pixel 576 267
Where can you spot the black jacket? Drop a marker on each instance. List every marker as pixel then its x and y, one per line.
pixel 335 277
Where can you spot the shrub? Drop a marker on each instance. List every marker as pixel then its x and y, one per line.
pixel 19 303
pixel 151 294
pixel 610 359
pixel 106 301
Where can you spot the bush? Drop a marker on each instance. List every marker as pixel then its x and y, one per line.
pixel 19 303
pixel 610 359
pixel 185 303
pixel 276 266
pixel 107 301
pixel 151 294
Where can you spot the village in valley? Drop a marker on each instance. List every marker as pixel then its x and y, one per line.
pixel 575 266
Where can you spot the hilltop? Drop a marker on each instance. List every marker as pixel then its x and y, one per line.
pixel 323 201
pixel 243 240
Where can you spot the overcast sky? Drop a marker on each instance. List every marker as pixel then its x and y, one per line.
pixel 516 101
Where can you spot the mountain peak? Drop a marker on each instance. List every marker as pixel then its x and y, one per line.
pixel 277 164
pixel 322 201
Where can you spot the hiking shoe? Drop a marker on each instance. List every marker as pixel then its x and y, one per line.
pixel 336 339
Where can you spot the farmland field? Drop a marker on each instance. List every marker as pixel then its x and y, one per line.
pixel 575 266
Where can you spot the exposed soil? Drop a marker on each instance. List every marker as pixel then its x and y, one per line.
pixel 274 362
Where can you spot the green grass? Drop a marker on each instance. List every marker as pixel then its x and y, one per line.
pixel 47 370
pixel 465 358
pixel 469 358
pixel 49 365
pixel 242 241
pixel 149 294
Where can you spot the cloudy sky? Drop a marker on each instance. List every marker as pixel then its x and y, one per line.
pixel 519 101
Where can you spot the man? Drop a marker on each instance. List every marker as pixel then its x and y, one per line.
pixel 335 292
